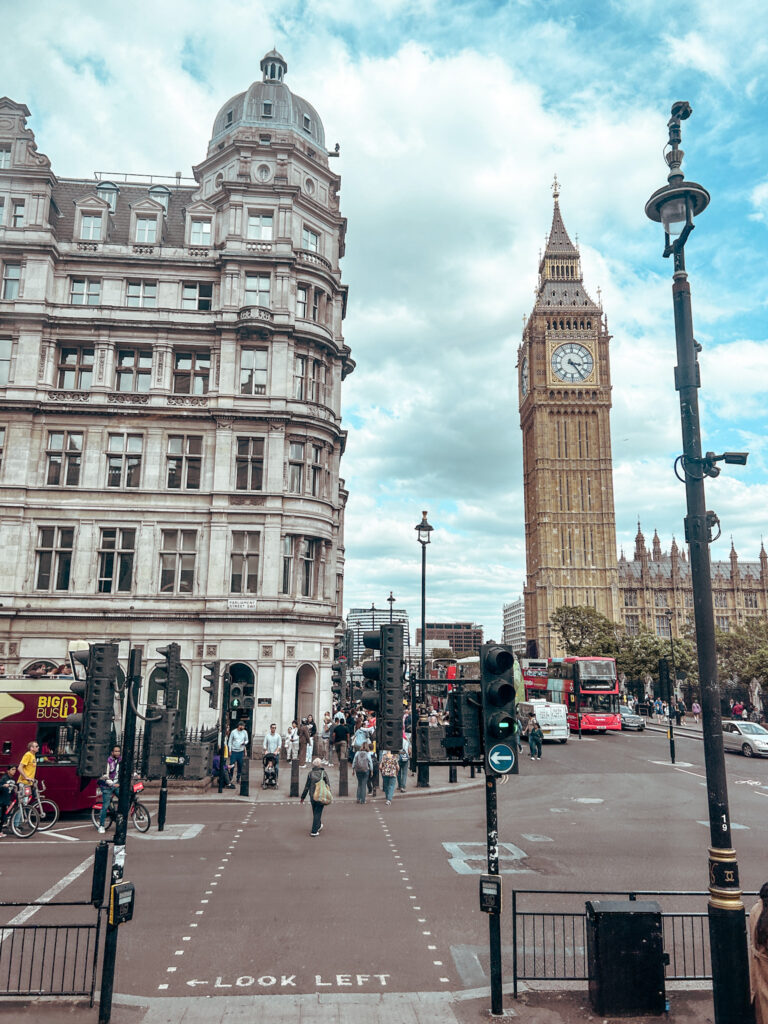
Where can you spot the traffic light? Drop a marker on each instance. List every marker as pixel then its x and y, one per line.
pixel 95 722
pixel 212 678
pixel 337 674
pixel 665 687
pixel 371 695
pixel 249 700
pixel 235 696
pixel 497 685
pixel 167 674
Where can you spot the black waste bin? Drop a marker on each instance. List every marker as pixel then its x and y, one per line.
pixel 625 957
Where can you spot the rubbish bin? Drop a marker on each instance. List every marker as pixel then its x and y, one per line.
pixel 625 957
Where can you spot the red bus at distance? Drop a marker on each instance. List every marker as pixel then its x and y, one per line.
pixel 588 687
pixel 37 709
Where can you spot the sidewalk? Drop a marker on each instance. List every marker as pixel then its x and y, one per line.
pixel 463 1007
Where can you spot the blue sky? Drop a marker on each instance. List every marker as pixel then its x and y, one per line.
pixel 452 121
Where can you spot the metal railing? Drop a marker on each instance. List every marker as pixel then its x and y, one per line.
pixel 49 959
pixel 551 945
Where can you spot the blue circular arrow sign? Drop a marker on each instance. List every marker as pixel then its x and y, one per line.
pixel 501 758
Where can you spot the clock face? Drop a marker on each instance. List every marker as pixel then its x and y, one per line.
pixel 524 380
pixel 572 362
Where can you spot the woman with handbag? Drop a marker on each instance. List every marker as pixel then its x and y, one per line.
pixel 319 788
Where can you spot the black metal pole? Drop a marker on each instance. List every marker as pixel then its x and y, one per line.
pixel 162 805
pixel 727 922
pixel 494 919
pixel 121 827
pixel 422 772
pixel 223 775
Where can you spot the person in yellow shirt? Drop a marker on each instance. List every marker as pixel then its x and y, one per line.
pixel 28 764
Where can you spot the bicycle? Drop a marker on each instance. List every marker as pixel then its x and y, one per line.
pixel 24 819
pixel 137 812
pixel 47 809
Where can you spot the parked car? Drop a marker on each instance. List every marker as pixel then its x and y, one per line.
pixel 629 720
pixel 748 737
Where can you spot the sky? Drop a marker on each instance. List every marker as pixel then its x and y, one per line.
pixel 452 120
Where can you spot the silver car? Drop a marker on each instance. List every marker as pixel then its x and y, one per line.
pixel 629 720
pixel 749 738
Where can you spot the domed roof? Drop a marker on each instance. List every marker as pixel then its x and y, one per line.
pixel 269 104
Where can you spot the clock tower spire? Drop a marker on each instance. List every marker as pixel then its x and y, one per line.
pixel 565 402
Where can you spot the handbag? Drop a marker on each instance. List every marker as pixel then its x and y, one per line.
pixel 322 794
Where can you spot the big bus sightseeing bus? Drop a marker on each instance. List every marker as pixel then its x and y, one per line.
pixel 37 709
pixel 589 689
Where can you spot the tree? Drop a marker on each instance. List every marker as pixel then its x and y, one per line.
pixel 443 652
pixel 742 653
pixel 584 631
pixel 639 655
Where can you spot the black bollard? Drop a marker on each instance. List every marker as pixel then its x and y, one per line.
pixel 294 790
pixel 163 804
pixel 244 783
pixel 472 771
pixel 422 776
pixel 452 777
pixel 344 777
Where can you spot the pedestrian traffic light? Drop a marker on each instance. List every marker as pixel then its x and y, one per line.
pixel 249 701
pixel 235 696
pixel 497 685
pixel 212 678
pixel 97 691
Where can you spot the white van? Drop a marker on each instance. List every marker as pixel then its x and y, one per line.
pixel 552 718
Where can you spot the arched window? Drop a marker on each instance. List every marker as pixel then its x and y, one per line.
pixel 161 195
pixel 108 191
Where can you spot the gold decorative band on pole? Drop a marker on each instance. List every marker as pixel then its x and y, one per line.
pixel 724 890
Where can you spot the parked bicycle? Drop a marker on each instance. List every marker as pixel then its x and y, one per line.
pixel 22 816
pixel 47 809
pixel 137 812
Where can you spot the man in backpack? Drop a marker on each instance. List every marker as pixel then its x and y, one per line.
pixel 315 775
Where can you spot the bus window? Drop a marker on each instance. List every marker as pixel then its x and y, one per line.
pixel 54 745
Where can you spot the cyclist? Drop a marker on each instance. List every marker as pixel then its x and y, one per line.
pixel 7 786
pixel 108 784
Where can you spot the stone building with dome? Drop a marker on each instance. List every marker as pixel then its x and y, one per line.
pixel 171 364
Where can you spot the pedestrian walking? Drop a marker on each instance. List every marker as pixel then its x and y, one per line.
pixel 304 745
pixel 696 711
pixel 404 759
pixel 535 737
pixel 362 766
pixel 272 743
pixel 292 741
pixel 374 776
pixel 389 767
pixel 7 788
pixel 311 745
pixel 325 738
pixel 317 799
pixel 238 745
pixel 339 738
pixel 758 960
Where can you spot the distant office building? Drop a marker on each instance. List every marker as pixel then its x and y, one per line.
pixel 514 625
pixel 461 637
pixel 361 619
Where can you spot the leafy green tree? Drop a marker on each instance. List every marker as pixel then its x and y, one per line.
pixel 639 655
pixel 742 653
pixel 584 631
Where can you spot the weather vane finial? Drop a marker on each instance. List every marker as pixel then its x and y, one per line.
pixel 555 188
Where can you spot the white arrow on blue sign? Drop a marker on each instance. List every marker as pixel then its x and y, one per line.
pixel 501 758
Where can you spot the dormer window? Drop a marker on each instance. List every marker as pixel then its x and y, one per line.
pixel 307 123
pixel 229 117
pixel 266 108
pixel 108 192
pixel 90 227
pixel 161 195
pixel 200 232
pixel 146 230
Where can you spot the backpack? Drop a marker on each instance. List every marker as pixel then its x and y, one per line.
pixel 322 793
pixel 362 762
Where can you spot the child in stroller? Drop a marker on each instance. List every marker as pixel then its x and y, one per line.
pixel 269 780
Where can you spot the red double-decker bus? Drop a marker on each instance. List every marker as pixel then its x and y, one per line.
pixel 37 709
pixel 589 689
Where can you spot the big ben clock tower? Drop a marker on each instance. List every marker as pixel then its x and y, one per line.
pixel 565 401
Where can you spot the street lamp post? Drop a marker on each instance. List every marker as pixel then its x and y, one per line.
pixel 423 531
pixel 675 206
pixel 391 600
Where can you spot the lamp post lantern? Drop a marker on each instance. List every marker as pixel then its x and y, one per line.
pixel 423 531
pixel 675 206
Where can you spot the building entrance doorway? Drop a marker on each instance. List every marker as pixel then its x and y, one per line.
pixel 241 675
pixel 306 695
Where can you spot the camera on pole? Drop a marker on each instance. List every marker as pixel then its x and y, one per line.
pixel 97 690
pixel 497 685
pixel 211 676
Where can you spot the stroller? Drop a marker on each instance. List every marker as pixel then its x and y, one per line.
pixel 269 780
